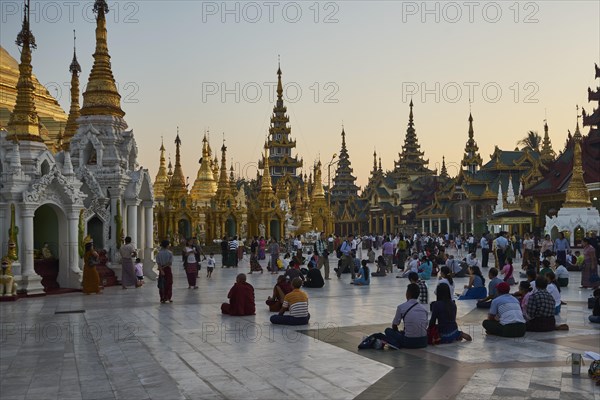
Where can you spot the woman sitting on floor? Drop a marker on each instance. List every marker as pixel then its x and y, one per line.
pixel 282 288
pixel 364 275
pixel 381 267
pixel 443 315
pixel 476 287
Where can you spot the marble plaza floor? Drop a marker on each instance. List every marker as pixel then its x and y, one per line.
pixel 124 344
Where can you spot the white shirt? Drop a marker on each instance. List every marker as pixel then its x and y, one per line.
pixel 444 280
pixel 561 272
pixel 191 258
pixel 413 265
pixel 553 290
pixel 211 262
pixel 472 262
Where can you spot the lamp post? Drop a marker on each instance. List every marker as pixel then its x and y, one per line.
pixel 332 162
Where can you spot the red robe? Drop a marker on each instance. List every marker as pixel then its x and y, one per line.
pixel 241 300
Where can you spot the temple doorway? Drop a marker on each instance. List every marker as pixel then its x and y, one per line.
pixel 230 226
pixel 95 228
pixel 184 228
pixel 274 229
pixel 50 239
pixel 578 235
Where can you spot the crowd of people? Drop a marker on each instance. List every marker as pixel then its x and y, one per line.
pixel 421 258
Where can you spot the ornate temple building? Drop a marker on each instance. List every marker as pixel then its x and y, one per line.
pixel 277 204
pixel 92 186
pixel 567 195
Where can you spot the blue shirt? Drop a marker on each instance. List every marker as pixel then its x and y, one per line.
pixel 484 243
pixel 493 292
pixel 561 245
pixel 426 268
pixel 346 248
pixel 502 242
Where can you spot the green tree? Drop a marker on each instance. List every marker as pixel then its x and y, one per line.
pixel 532 141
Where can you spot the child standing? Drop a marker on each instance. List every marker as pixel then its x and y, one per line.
pixel 139 272
pixel 211 265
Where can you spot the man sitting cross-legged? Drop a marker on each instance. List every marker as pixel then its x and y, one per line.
pixel 414 335
pixel 296 302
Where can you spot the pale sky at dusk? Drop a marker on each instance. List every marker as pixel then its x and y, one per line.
pixel 173 59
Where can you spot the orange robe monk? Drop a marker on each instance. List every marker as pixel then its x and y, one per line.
pixel 241 298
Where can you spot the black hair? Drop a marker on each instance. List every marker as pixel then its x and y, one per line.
pixel 477 271
pixel 525 285
pixel 413 276
pixel 413 291
pixel 164 243
pixel 493 272
pixel 443 294
pixel 447 274
pixel 531 274
pixel 541 282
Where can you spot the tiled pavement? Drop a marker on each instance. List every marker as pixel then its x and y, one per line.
pixel 127 345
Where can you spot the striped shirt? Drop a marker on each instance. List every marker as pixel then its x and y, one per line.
pixel 297 303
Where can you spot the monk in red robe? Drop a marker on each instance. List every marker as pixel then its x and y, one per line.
pixel 241 298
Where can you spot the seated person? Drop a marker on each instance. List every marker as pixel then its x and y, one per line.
pixel 472 260
pixel 296 303
pixel 282 288
pixel 293 271
pixel 530 275
pixel 443 313
pixel 314 279
pixel 456 268
pixel 571 263
pixel 562 276
pixel 580 259
pixel 364 275
pixel 523 295
pixel 476 287
pixel 371 255
pixel 286 261
pixel 413 277
pixel 413 266
pixel 381 267
pixel 595 317
pixel 486 302
pixel 414 335
pixel 505 317
pixel 554 290
pixel 241 298
pixel 545 268
pixel 425 268
pixel 446 278
pixel 540 309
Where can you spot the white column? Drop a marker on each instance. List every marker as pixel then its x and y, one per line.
pixel 140 230
pixel 111 244
pixel 30 281
pixel 74 273
pixel 472 219
pixel 132 222
pixel 3 230
pixel 423 225
pixel 26 243
pixel 149 241
pixel 439 225
pixel 448 225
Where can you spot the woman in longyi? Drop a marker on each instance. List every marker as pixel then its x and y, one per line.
pixel 91 279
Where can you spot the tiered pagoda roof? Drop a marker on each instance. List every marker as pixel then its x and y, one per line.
pixel 279 144
pixel 471 160
pixel 547 153
pixel 343 183
pixel 411 160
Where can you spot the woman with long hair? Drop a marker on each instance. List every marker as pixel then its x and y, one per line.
pixel 446 278
pixel 476 287
pixel 443 315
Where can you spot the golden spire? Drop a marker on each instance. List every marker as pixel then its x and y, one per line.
pixel 223 187
pixel 578 195
pixel 24 122
pixel 266 178
pixel 74 112
pixel 205 185
pixel 279 84
pixel 101 96
pixel 178 179
pixel 162 178
pixel 547 154
pixel 318 192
